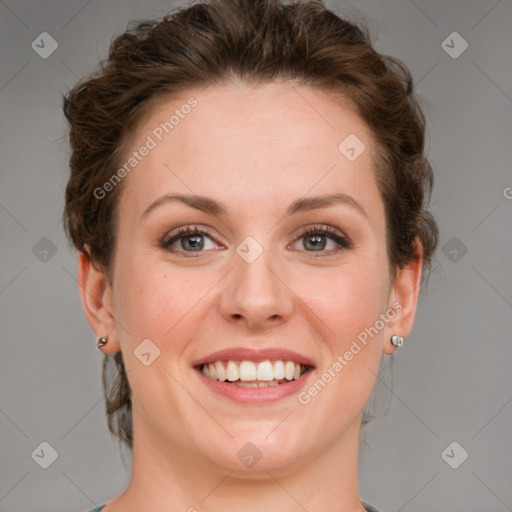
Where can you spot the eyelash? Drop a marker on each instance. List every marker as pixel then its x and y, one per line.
pixel 327 231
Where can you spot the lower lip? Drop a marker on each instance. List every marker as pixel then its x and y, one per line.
pixel 256 395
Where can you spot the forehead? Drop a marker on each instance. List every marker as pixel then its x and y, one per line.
pixel 251 143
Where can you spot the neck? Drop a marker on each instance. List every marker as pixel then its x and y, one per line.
pixel 169 477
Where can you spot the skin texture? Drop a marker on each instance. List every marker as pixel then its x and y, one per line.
pixel 256 150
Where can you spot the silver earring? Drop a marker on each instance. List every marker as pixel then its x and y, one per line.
pixel 397 341
pixel 102 342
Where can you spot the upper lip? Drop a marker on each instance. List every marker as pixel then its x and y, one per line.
pixel 256 355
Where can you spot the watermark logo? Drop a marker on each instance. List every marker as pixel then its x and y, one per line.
pixel 45 455
pixel 304 397
pixel 249 249
pixel 352 147
pixel 44 250
pixel 454 455
pixel 146 352
pixel 454 249
pixel 157 135
pixel 44 45
pixel 249 455
pixel 454 45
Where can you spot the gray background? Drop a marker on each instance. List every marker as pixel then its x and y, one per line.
pixel 453 379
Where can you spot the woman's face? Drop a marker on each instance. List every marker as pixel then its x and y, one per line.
pixel 253 166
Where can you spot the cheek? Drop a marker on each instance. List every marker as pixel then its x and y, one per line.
pixel 349 304
pixel 163 305
pixel 360 299
pixel 150 301
pixel 349 299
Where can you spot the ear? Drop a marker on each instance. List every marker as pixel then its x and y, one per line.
pixel 96 296
pixel 404 296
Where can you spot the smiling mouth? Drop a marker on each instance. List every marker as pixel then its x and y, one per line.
pixel 249 374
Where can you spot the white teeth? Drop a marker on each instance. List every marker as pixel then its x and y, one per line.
pixel 265 370
pixel 256 384
pixel 246 373
pixel 267 384
pixel 233 371
pixel 289 370
pixel 279 370
pixel 221 372
pixel 212 371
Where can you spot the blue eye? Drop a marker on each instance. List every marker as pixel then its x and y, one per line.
pixel 191 239
pixel 317 238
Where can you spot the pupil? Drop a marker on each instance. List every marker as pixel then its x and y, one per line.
pixel 193 242
pixel 318 241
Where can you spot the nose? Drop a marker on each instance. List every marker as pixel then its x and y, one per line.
pixel 255 294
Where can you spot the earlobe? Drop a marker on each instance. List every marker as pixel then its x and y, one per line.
pixel 96 297
pixel 405 292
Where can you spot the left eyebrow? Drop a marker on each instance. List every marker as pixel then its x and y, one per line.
pixel 305 204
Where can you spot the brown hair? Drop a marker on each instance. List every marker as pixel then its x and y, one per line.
pixel 255 41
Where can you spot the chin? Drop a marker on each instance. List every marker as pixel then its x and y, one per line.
pixel 254 454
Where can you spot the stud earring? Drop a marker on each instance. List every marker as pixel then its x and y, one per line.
pixel 102 342
pixel 397 341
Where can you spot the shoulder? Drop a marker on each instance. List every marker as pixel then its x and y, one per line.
pixel 369 508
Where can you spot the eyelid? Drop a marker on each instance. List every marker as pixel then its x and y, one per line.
pixel 321 228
